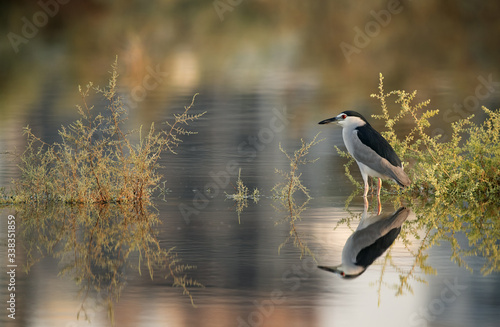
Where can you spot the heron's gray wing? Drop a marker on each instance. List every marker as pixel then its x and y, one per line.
pixel 369 243
pixel 367 156
pixel 371 138
pixel 369 254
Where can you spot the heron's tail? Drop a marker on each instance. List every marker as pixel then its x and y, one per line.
pixel 400 176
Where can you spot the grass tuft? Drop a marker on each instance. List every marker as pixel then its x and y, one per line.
pixel 242 195
pixel 284 193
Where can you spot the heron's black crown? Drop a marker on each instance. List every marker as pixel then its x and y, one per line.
pixel 351 113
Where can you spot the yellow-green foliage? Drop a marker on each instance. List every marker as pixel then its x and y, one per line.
pixel 95 160
pixel 292 183
pixel 455 188
pixel 284 193
pixel 241 189
pixel 466 168
pixel 471 231
pixel 95 244
pixel 241 196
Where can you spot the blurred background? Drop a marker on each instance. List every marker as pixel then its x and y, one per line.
pixel 251 62
pixel 439 48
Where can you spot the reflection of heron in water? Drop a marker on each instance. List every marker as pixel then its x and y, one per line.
pixel 373 237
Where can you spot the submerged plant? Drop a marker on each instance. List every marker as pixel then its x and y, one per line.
pixel 284 193
pixel 95 161
pixel 241 196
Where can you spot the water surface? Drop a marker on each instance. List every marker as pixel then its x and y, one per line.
pixel 263 80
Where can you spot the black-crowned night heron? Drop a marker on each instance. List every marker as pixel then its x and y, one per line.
pixel 374 155
pixel 373 236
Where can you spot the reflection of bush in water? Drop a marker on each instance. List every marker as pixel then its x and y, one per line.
pixel 285 194
pixel 94 244
pixel 86 199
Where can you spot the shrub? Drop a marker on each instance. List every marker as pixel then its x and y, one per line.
pixel 95 160
pixel 463 170
pixel 285 191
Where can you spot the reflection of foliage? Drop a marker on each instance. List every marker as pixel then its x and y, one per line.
pixel 95 161
pixel 284 193
pixel 352 215
pixel 410 230
pixel 241 196
pixel 94 245
pixel 476 225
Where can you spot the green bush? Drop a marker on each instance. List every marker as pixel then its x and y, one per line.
pixel 462 170
pixel 95 160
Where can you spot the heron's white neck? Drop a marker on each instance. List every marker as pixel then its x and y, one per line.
pixel 352 122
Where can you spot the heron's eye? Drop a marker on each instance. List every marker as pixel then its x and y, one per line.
pixel 344 116
pixel 342 273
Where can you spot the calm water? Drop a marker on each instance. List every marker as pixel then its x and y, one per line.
pixel 263 80
pixel 247 282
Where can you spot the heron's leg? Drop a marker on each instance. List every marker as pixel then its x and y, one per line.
pixel 379 187
pixel 365 179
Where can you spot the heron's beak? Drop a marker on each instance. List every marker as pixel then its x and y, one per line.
pixel 327 121
pixel 333 269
